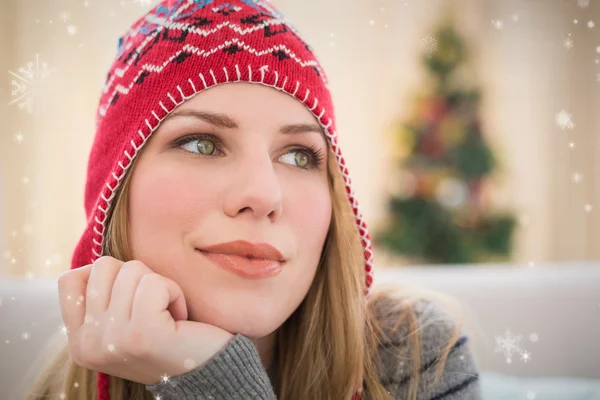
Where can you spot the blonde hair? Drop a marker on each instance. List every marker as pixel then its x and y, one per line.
pixel 325 350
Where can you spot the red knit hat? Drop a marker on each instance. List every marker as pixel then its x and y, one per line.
pixel 176 50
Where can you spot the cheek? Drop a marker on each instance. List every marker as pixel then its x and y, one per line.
pixel 164 202
pixel 311 218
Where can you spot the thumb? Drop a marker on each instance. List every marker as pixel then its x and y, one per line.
pixel 157 294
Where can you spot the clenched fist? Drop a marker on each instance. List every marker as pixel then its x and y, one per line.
pixel 124 320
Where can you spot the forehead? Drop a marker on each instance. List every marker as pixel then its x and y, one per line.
pixel 237 105
pixel 251 101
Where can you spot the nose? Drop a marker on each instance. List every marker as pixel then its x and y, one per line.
pixel 254 188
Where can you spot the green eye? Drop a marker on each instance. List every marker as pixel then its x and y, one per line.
pixel 302 159
pixel 206 147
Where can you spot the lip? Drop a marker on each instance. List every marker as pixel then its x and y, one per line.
pixel 266 260
pixel 246 249
pixel 257 268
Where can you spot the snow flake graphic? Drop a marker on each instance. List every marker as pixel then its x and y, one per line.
pixel 568 42
pixel 564 121
pixel 429 45
pixel 583 3
pixel 19 137
pixel 509 344
pixel 577 177
pixel 28 84
pixel 498 23
pixel 166 379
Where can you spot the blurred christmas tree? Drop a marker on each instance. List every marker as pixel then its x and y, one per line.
pixel 439 212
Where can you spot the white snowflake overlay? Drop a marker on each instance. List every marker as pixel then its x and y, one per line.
pixel 429 45
pixel 27 85
pixel 564 121
pixel 568 42
pixel 509 344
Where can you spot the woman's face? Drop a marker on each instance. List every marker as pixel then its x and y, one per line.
pixel 247 180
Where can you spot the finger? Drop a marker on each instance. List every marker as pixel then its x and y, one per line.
pixel 123 290
pixel 100 283
pixel 157 295
pixel 71 290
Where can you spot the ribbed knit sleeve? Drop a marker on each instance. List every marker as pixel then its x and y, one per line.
pixel 234 373
pixel 459 376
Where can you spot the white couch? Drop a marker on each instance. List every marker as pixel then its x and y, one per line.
pixel 559 304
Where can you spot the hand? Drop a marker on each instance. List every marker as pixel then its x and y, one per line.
pixel 124 320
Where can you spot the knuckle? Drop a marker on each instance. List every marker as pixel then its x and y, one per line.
pixel 97 267
pixel 104 265
pixel 104 260
pixel 150 279
pixel 64 277
pixel 133 267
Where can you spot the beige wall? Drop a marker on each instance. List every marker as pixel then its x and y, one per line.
pixel 525 71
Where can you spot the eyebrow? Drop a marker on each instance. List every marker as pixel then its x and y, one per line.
pixel 226 121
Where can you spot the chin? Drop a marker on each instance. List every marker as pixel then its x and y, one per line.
pixel 254 331
pixel 252 319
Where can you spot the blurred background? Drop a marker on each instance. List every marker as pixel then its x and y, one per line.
pixel 470 128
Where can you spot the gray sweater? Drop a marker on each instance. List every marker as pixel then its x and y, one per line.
pixel 236 372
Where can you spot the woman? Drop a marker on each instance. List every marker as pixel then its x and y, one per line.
pixel 225 256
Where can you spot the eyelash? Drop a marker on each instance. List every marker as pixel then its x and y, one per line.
pixel 315 153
